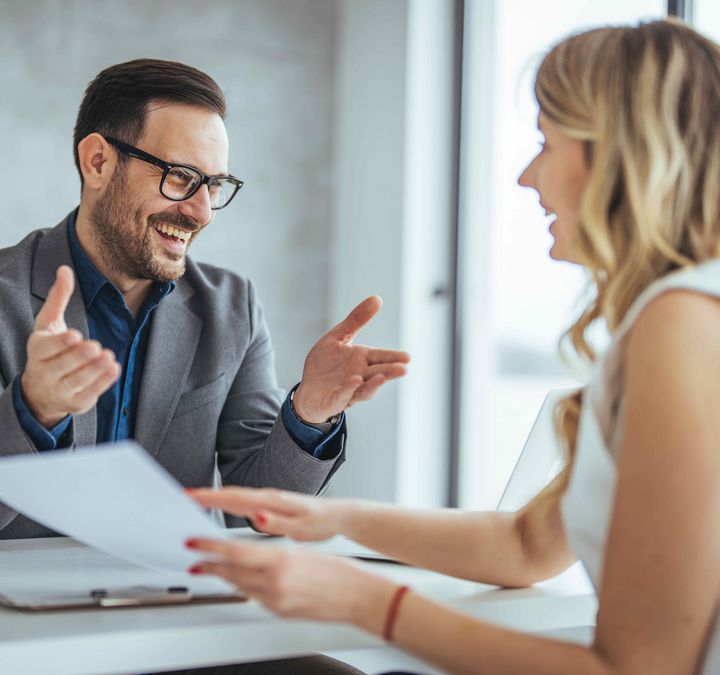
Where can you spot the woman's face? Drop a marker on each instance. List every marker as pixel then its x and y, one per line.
pixel 559 174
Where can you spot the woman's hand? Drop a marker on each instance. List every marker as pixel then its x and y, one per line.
pixel 273 511
pixel 296 583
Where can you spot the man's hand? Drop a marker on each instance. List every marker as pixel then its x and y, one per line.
pixel 64 374
pixel 338 373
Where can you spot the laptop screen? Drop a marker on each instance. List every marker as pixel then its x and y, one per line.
pixel 540 460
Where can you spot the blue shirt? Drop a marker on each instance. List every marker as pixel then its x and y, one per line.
pixel 111 323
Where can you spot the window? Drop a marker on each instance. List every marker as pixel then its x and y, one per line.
pixel 517 301
pixel 707 18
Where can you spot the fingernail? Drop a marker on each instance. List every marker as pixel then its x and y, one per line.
pixel 191 543
pixel 195 569
pixel 261 519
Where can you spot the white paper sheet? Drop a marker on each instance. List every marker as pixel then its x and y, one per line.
pixel 116 498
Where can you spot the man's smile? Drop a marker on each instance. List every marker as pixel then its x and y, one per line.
pixel 171 231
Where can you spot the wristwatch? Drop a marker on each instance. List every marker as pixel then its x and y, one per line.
pixel 330 420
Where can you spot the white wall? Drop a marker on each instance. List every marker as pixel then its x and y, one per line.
pixel 367 217
pixel 391 233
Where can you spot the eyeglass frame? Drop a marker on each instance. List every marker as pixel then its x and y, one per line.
pixel 137 153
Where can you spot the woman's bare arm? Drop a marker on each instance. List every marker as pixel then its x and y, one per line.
pixel 509 549
pixel 661 581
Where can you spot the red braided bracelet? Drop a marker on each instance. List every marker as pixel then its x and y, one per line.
pixel 393 612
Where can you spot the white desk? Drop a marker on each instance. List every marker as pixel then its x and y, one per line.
pixel 135 640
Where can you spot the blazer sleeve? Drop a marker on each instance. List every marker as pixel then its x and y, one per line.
pixel 254 448
pixel 14 441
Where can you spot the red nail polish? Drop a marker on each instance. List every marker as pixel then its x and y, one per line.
pixel 195 569
pixel 190 543
pixel 262 520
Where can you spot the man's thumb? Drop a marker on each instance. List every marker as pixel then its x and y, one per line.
pixel 348 328
pixel 52 313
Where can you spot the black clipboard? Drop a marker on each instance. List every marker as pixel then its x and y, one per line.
pixel 118 598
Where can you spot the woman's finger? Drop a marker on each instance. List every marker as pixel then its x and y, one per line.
pixel 246 502
pixel 274 523
pixel 252 583
pixel 235 553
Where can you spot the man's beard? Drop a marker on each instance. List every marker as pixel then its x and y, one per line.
pixel 125 242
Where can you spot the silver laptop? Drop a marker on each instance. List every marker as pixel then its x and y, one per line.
pixel 540 460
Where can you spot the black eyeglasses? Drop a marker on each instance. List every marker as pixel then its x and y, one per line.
pixel 180 182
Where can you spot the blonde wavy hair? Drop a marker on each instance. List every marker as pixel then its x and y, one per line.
pixel 646 101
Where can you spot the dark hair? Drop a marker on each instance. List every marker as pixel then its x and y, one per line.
pixel 115 102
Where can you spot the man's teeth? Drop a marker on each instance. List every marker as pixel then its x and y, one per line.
pixel 173 231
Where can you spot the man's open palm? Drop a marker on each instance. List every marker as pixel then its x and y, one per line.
pixel 338 373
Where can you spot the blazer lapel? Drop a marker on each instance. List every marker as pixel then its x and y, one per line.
pixel 52 251
pixel 173 341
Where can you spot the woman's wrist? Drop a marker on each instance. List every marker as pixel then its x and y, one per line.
pixel 371 598
pixel 346 511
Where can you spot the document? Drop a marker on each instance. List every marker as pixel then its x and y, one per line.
pixel 116 498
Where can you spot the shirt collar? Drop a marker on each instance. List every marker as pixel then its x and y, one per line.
pixel 91 280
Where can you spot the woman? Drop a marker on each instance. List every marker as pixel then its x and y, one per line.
pixel 630 167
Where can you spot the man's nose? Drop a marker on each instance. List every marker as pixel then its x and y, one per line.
pixel 198 207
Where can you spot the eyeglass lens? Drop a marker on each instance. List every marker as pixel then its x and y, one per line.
pixel 181 181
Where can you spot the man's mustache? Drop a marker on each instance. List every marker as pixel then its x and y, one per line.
pixel 176 220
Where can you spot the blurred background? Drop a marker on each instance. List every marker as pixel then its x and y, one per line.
pixel 380 142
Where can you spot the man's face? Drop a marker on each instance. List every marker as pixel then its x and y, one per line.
pixel 130 215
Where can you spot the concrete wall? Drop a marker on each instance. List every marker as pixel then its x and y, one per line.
pixel 274 59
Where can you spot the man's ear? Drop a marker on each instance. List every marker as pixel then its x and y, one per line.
pixel 97 161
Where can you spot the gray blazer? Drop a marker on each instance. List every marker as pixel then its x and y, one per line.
pixel 208 393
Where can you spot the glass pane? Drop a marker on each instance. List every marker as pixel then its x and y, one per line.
pixel 532 298
pixel 707 18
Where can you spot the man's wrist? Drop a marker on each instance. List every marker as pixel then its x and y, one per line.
pixel 304 417
pixel 46 421
pixel 43 438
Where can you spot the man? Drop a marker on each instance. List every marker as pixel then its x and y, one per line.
pixel 148 344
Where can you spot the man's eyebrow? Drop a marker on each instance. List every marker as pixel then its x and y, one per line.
pixel 222 174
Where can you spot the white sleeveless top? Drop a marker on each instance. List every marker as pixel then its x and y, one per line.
pixel 588 502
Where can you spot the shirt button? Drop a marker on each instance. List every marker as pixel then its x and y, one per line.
pixel 125 412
